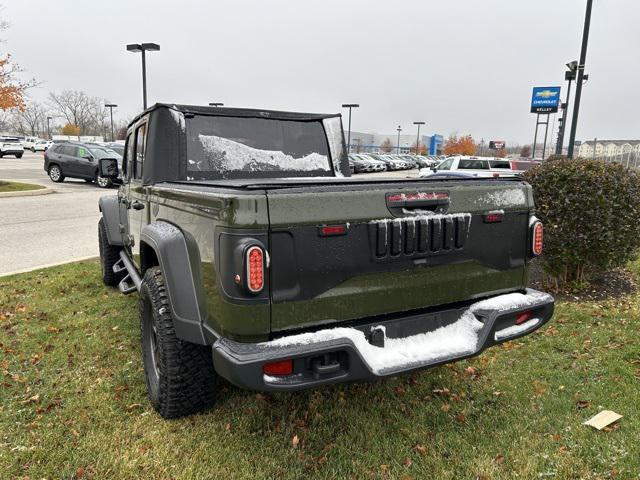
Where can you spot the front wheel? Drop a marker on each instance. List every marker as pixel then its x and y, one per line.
pixel 103 182
pixel 55 174
pixel 19 155
pixel 180 376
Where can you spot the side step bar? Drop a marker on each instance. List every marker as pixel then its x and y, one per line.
pixel 131 282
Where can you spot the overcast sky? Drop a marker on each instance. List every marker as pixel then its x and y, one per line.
pixel 462 65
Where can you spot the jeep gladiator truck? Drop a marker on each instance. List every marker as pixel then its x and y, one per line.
pixel 257 258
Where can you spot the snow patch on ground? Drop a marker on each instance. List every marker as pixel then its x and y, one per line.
pixel 516 329
pixel 227 155
pixel 455 340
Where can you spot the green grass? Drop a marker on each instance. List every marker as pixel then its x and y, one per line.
pixel 17 186
pixel 73 403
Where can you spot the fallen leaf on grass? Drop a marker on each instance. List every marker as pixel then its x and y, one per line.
pixel 133 406
pixel 407 462
pixel 421 449
pixel 499 459
pixel 583 404
pixel 80 472
pixel 445 407
pixel 295 441
pixel 52 329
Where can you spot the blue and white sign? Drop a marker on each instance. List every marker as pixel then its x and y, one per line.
pixel 545 99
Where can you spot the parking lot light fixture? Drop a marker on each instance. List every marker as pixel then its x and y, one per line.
pixel 418 137
pixel 399 129
pixel 111 106
pixel 349 106
pixel 143 48
pixel 216 104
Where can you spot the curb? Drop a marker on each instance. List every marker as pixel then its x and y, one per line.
pixel 27 193
pixel 48 265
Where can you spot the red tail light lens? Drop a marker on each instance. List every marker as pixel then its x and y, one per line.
pixel 255 269
pixel 537 238
pixel 282 367
pixel 523 317
pixel 333 230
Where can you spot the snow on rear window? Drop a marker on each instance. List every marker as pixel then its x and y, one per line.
pixel 225 155
pixel 244 147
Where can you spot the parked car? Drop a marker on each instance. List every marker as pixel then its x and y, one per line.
pixel 41 145
pixel 255 264
pixel 364 164
pixel 78 160
pixel 11 146
pixel 29 142
pixel 391 163
pixel 474 166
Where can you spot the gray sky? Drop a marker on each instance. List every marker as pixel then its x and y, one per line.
pixel 462 65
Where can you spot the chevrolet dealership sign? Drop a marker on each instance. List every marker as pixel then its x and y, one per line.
pixel 545 99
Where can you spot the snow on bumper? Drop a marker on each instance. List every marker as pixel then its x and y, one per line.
pixel 347 354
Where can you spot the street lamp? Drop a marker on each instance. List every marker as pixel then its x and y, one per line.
pixel 418 137
pixel 569 76
pixel 580 80
pixel 399 129
pixel 349 106
pixel 49 127
pixel 216 104
pixel 143 48
pixel 111 106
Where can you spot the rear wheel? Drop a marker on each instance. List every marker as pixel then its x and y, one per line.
pixel 55 174
pixel 19 155
pixel 180 376
pixel 109 255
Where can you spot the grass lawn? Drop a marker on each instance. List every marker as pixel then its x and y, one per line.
pixel 73 403
pixel 17 187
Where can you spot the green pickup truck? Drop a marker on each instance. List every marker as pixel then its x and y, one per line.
pixel 257 258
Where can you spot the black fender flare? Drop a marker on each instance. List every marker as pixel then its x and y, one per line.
pixel 179 258
pixel 109 207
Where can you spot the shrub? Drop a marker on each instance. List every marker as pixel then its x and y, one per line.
pixel 591 215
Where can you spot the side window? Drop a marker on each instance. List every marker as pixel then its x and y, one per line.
pixel 446 165
pixel 140 144
pixel 128 156
pixel 473 165
pixel 70 150
pixel 500 164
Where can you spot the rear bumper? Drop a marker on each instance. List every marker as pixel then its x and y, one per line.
pixel 410 342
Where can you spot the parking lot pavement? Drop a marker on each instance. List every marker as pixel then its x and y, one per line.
pixel 46 230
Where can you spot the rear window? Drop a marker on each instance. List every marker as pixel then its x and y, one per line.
pixel 465 164
pixel 234 147
pixel 500 164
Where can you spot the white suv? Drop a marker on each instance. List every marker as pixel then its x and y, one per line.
pixel 473 166
pixel 11 146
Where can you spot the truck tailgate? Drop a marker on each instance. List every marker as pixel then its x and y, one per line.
pixel 393 247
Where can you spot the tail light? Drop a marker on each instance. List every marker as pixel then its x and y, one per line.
pixel 281 367
pixel 537 237
pixel 255 268
pixel 523 317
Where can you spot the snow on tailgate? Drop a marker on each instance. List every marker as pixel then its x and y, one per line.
pixel 455 340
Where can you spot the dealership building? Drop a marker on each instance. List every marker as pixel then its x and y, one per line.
pixel 371 142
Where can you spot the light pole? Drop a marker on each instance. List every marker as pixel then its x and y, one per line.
pixel 579 81
pixel 399 129
pixel 349 106
pixel 111 106
pixel 143 48
pixel 216 104
pixel 418 137
pixel 569 76
pixel 49 127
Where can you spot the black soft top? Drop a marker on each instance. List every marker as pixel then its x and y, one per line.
pixel 239 112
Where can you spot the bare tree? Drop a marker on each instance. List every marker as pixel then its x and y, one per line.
pixel 32 120
pixel 78 108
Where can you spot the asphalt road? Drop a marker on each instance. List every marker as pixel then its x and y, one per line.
pixel 45 230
